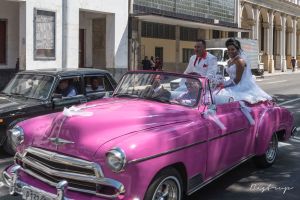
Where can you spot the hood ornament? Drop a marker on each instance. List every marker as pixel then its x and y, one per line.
pixel 59 141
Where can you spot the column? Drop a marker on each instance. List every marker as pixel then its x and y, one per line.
pixel 294 39
pixel 22 36
pixel 177 48
pixel 238 14
pixel 70 34
pixel 270 41
pixel 265 56
pixel 282 43
pixel 251 23
pixel 298 47
pixel 256 22
pixel 277 47
pixel 294 35
pixel 289 31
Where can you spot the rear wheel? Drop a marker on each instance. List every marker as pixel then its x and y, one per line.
pixel 269 157
pixel 167 185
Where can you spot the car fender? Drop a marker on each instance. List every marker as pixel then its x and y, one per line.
pixel 270 122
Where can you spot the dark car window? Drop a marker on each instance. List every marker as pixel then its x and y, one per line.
pixel 69 87
pixel 95 84
pixel 30 86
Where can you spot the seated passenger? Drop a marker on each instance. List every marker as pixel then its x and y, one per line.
pixel 189 98
pixel 66 89
pixel 156 90
pixel 95 86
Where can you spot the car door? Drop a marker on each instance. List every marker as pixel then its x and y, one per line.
pixel 230 139
pixel 97 86
pixel 60 101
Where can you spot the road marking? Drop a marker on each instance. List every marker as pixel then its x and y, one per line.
pixel 274 82
pixel 282 144
pixel 287 102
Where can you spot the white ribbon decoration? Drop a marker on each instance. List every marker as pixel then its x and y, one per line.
pixel 247 112
pixel 76 111
pixel 211 114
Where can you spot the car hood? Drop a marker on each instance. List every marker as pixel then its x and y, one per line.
pixel 82 131
pixel 8 104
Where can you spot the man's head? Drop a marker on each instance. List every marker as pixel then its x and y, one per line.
pixel 63 84
pixel 192 86
pixel 157 80
pixel 95 82
pixel 200 47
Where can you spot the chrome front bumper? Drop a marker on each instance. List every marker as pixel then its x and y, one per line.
pixel 17 187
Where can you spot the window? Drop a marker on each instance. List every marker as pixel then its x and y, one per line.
pixel 186 54
pixel 216 34
pixel 155 30
pixel 159 52
pixel 188 34
pixel 2 42
pixel 94 84
pixel 44 35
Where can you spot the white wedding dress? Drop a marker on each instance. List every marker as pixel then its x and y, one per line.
pixel 246 90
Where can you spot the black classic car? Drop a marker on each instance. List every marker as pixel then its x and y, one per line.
pixel 36 92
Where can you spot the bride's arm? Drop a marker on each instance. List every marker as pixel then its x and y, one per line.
pixel 240 66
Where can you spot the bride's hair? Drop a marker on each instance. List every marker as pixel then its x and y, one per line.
pixel 234 42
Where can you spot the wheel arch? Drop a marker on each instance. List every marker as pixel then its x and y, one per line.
pixel 180 168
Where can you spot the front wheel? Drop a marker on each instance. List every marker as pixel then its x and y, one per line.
pixel 167 185
pixel 269 157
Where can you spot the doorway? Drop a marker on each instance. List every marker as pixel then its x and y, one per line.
pixel 81 48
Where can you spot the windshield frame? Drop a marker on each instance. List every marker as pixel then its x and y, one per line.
pixel 194 77
pixel 33 75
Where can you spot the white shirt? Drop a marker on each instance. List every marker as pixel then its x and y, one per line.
pixel 205 66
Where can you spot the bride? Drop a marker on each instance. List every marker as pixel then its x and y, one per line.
pixel 241 85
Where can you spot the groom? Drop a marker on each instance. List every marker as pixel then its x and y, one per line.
pixel 202 62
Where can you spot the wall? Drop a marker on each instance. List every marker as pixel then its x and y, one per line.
pixel 67 32
pixel 48 5
pixel 10 11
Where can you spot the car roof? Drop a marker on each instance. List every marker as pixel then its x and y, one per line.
pixel 66 71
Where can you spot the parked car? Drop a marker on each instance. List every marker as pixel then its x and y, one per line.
pixel 37 92
pixel 141 143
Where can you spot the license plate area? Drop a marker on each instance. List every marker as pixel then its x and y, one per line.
pixel 30 193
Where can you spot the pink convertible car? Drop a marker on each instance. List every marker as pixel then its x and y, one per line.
pixel 160 137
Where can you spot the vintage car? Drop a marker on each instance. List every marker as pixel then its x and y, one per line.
pixel 35 92
pixel 143 143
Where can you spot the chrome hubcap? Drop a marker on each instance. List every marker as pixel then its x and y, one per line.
pixel 272 149
pixel 168 189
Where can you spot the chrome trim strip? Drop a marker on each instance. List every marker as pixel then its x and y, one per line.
pixel 226 134
pixel 165 153
pixel 181 148
pixel 217 176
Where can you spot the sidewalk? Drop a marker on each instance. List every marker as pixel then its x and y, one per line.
pixel 278 73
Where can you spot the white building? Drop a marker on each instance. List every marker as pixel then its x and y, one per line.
pixel 64 34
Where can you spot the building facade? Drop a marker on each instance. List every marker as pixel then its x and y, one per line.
pixel 168 29
pixel 38 34
pixel 276 25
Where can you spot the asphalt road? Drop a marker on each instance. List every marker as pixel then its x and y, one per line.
pixel 281 181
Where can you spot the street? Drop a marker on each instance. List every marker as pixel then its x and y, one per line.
pixel 281 181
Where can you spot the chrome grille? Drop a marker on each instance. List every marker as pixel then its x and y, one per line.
pixel 82 175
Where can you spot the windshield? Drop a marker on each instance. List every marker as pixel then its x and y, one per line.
pixel 161 87
pixel 30 86
pixel 216 52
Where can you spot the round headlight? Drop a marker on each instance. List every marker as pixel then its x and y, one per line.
pixel 17 136
pixel 116 159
